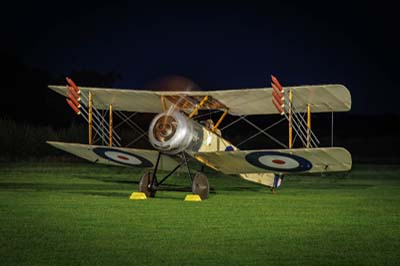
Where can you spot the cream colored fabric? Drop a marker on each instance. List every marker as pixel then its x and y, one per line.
pixel 333 159
pixel 266 179
pixel 86 152
pixel 255 101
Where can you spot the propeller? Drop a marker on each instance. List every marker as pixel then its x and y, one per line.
pixel 173 83
pixel 166 126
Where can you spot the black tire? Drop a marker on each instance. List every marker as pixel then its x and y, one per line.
pixel 200 185
pixel 145 185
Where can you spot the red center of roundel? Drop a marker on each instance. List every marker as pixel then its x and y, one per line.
pixel 277 161
pixel 123 157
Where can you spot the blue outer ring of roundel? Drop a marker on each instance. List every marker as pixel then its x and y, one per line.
pixel 101 152
pixel 304 164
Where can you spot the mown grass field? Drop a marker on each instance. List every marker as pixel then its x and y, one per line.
pixel 79 214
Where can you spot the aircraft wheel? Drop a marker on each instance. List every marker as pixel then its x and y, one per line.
pixel 145 185
pixel 200 185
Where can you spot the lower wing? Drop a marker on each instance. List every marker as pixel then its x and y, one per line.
pixel 117 156
pixel 315 160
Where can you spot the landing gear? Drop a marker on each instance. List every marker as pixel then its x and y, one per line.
pixel 200 185
pixel 146 185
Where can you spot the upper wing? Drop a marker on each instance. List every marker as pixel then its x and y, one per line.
pixel 315 160
pixel 256 101
pixel 123 100
pixel 117 156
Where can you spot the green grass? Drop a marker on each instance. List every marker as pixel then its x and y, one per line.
pixel 79 214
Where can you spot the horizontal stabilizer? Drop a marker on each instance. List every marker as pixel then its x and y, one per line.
pixel 117 156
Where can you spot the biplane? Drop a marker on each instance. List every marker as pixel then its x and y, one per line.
pixel 178 134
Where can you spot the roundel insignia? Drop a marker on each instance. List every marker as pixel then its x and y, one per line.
pixel 122 157
pixel 277 161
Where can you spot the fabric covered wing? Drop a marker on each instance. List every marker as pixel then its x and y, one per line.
pixel 122 100
pixel 255 101
pixel 117 156
pixel 322 98
pixel 266 179
pixel 316 160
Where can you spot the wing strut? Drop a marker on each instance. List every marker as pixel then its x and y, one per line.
pixel 149 183
pixel 110 141
pixel 198 106
pixel 215 127
pixel 290 119
pixel 90 118
pixel 85 106
pixel 283 101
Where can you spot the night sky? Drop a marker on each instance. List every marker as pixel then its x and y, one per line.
pixel 219 46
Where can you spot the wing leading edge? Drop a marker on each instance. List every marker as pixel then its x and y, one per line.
pixel 246 101
pixel 316 160
pixel 117 156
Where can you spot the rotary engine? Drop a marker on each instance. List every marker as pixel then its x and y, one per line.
pixel 173 132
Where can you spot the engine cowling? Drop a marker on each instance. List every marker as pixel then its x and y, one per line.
pixel 173 132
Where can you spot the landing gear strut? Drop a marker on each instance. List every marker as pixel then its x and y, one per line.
pixel 148 183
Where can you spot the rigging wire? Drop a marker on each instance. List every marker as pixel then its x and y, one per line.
pixel 265 133
pixel 260 132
